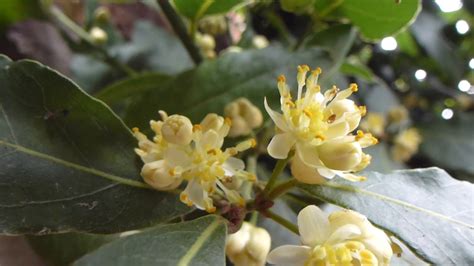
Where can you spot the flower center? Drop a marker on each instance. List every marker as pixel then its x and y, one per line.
pixel 341 254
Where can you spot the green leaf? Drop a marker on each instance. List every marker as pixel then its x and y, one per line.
pixel 67 160
pixel 194 9
pixel 198 242
pixel 131 87
pixel 12 11
pixel 337 40
pixel 354 68
pixel 379 18
pixel 425 208
pixel 449 143
pixel 63 249
pixel 429 33
pixel 213 84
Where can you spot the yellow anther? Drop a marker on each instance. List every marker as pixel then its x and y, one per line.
pixel 281 78
pixel 303 68
pixel 172 172
pixel 251 177
pixel 212 151
pixel 375 140
pixel 317 71
pixel 360 134
pixel 135 129
pixel 197 128
pixel 307 113
pixel 253 143
pixel 353 246
pixel 331 118
pixel 354 87
pixel 211 209
pixel 362 178
pixel 232 151
pixel 290 103
pixel 228 121
pixel 321 137
pixel 363 110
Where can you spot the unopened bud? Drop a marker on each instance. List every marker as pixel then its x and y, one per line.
pixel 260 41
pixel 158 175
pixel 341 156
pixel 245 117
pixel 249 246
pixel 398 114
pixel 213 24
pixel 177 129
pixel 374 123
pixel 304 173
pixel 212 121
pixel 98 35
pixel 102 15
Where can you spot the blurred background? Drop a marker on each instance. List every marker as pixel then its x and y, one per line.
pixel 417 82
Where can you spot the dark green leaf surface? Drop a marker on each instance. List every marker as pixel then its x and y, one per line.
pixel 450 144
pixel 209 87
pixel 64 249
pixel 380 18
pixel 198 242
pixel 191 8
pixel 426 208
pixel 67 160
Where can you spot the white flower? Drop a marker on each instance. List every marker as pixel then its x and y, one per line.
pixel 179 152
pixel 374 123
pixel 316 125
pixel 244 115
pixel 249 246
pixel 344 238
pixel 406 144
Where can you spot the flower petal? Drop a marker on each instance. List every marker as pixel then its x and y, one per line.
pixel 327 173
pixel 337 130
pixel 280 145
pixel 176 157
pixel 234 163
pixel 196 194
pixel 276 117
pixel 308 154
pixel 344 233
pixel 313 226
pixel 289 255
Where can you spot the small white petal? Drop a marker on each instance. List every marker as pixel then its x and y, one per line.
pixel 280 145
pixel 337 130
pixel 196 194
pixel 276 117
pixel 289 255
pixel 313 226
pixel 234 164
pixel 344 233
pixel 176 157
pixel 210 139
pixel 327 173
pixel 308 154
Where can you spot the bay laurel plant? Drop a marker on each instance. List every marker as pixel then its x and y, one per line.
pixel 230 149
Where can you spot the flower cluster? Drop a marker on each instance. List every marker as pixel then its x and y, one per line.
pixel 318 127
pixel 344 238
pixel 182 151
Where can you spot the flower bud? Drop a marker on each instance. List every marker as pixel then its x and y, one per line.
pixel 406 144
pixel 249 246
pixel 98 35
pixel 158 175
pixel 177 129
pixel 374 123
pixel 212 121
pixel 341 156
pixel 206 44
pixel 245 117
pixel 398 114
pixel 213 24
pixel 260 41
pixel 102 15
pixel 339 108
pixel 304 173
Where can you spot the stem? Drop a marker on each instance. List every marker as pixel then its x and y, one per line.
pixel 330 8
pixel 57 14
pixel 180 29
pixel 282 221
pixel 276 172
pixel 282 188
pixel 252 168
pixel 254 218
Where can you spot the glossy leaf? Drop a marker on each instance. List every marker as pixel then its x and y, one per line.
pixel 427 209
pixel 449 143
pixel 194 8
pixel 209 87
pixel 67 160
pixel 198 242
pixel 380 18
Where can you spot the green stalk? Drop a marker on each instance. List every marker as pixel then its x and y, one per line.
pixel 279 167
pixel 282 188
pixel 180 30
pixel 282 221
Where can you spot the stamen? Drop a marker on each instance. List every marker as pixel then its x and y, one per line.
pixel 353 87
pixel 135 129
pixel 281 78
pixel 331 118
pixel 197 128
pixel 307 113
pixel 228 121
pixel 212 151
pixel 363 110
pixel 321 137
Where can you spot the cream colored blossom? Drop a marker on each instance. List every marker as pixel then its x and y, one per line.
pixel 194 154
pixel 374 123
pixel 318 127
pixel 344 238
pixel 406 144
pixel 244 115
pixel 206 44
pixel 98 35
pixel 398 114
pixel 249 246
pixel 260 41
